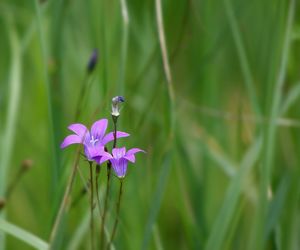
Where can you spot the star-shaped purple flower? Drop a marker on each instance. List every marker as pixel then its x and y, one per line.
pixel 119 159
pixel 93 141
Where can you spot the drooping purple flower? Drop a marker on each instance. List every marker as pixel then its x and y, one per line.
pixel 94 140
pixel 119 159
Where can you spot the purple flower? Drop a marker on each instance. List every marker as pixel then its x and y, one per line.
pixel 93 141
pixel 119 159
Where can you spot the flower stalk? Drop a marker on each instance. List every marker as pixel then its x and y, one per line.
pixel 103 218
pixel 98 169
pixel 115 120
pixel 81 194
pixel 25 166
pixel 92 205
pixel 117 214
pixel 2 203
pixel 85 85
pixel 64 203
pixel 115 115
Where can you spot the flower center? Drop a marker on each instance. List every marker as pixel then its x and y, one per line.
pixel 93 140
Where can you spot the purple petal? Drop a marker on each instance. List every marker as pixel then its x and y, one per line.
pixel 119 166
pixel 98 128
pixel 103 158
pixel 87 139
pixel 78 129
pixel 134 151
pixel 110 137
pixel 71 139
pixel 93 151
pixel 118 153
pixel 130 154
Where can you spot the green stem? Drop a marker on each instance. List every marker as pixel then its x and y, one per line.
pixel 105 205
pixel 80 195
pixel 81 97
pixel 92 206
pixel 117 214
pixel 98 169
pixel 124 45
pixel 14 182
pixel 115 119
pixel 64 203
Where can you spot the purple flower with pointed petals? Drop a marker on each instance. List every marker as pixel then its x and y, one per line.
pixel 93 141
pixel 119 159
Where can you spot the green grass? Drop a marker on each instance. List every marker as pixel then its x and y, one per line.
pixel 212 94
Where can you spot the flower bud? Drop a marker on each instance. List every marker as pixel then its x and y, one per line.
pixel 93 61
pixel 27 164
pixel 2 203
pixel 115 105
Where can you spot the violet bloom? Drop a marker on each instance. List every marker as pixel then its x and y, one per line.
pixel 93 141
pixel 119 159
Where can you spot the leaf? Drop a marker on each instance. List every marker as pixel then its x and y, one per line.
pixel 276 206
pixel 23 235
pixel 157 199
pixel 226 213
pixel 291 98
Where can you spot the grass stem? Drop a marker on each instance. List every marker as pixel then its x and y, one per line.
pixel 64 203
pixel 117 215
pixel 103 218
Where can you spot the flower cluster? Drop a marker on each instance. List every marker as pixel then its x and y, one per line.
pixel 94 142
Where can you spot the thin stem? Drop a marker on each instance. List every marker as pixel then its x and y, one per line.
pixel 115 119
pixel 105 205
pixel 98 169
pixel 81 194
pixel 85 189
pixel 124 44
pixel 64 202
pixel 14 182
pixel 166 65
pixel 92 206
pixel 81 97
pixel 117 214
pixel 163 47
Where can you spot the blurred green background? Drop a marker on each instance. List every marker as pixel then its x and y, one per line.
pixel 212 94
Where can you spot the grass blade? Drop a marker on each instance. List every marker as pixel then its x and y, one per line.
pixel 276 206
pixel 23 235
pixel 53 147
pixel 124 45
pixel 242 55
pixel 291 98
pixel 12 115
pixel 217 236
pixel 157 199
pixel 257 241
